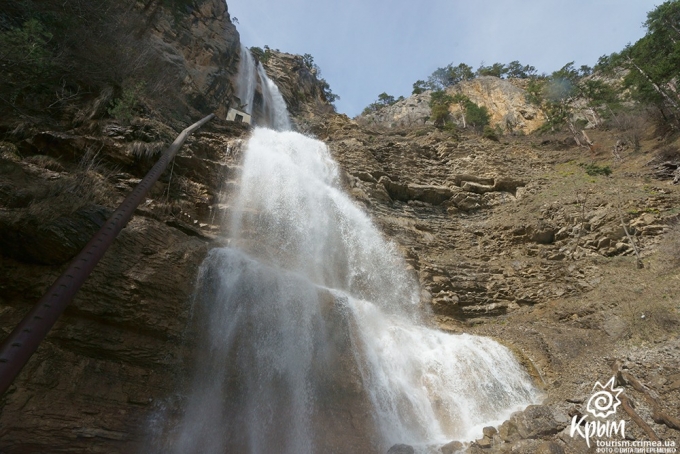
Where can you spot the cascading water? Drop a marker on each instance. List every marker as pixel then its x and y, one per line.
pixel 311 338
pixel 273 104
pixel 251 74
pixel 246 82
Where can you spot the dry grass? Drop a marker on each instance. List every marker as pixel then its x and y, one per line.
pixel 668 153
pixel 145 150
pixel 9 152
pixel 45 162
pixel 69 192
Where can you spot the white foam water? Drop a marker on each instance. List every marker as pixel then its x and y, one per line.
pixel 312 335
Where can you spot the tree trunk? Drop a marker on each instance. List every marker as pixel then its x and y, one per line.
pixel 656 87
pixel 462 113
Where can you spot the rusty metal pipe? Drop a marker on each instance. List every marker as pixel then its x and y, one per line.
pixel 18 347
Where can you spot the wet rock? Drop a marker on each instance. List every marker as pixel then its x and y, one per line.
pixel 484 443
pixel 401 449
pixel 509 431
pixel 489 431
pixel 452 448
pixel 523 447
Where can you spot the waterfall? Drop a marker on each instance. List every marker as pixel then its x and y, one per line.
pixel 273 104
pixel 246 80
pixel 251 75
pixel 310 333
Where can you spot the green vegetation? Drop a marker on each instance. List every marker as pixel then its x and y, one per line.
pixel 25 57
pixel 50 70
pixel 384 100
pixel 554 94
pixel 122 108
pixel 594 169
pixel 651 72
pixel 262 55
pixel 439 106
pixel 496 70
pixel 444 77
pixel 326 91
pixel 494 134
pixel 653 62
pixel 451 74
pixel 474 116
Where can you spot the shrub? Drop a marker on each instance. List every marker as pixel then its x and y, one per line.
pixel 25 57
pixel 122 108
pixel 439 107
pixel 489 133
pixel 477 116
pixel 384 100
pixel 594 169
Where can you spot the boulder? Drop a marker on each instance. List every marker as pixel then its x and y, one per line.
pixel 452 447
pixel 535 421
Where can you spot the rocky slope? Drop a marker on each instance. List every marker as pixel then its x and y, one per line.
pixel 517 241
pixel 201 48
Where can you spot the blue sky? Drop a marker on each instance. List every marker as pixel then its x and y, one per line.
pixel 366 47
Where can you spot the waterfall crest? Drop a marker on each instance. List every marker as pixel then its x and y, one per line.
pixel 246 81
pixel 268 108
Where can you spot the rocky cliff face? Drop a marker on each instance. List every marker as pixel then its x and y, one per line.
pixel 115 358
pixel 299 86
pixel 505 101
pixel 412 111
pixel 201 46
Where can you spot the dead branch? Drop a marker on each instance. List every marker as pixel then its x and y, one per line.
pixel 652 398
